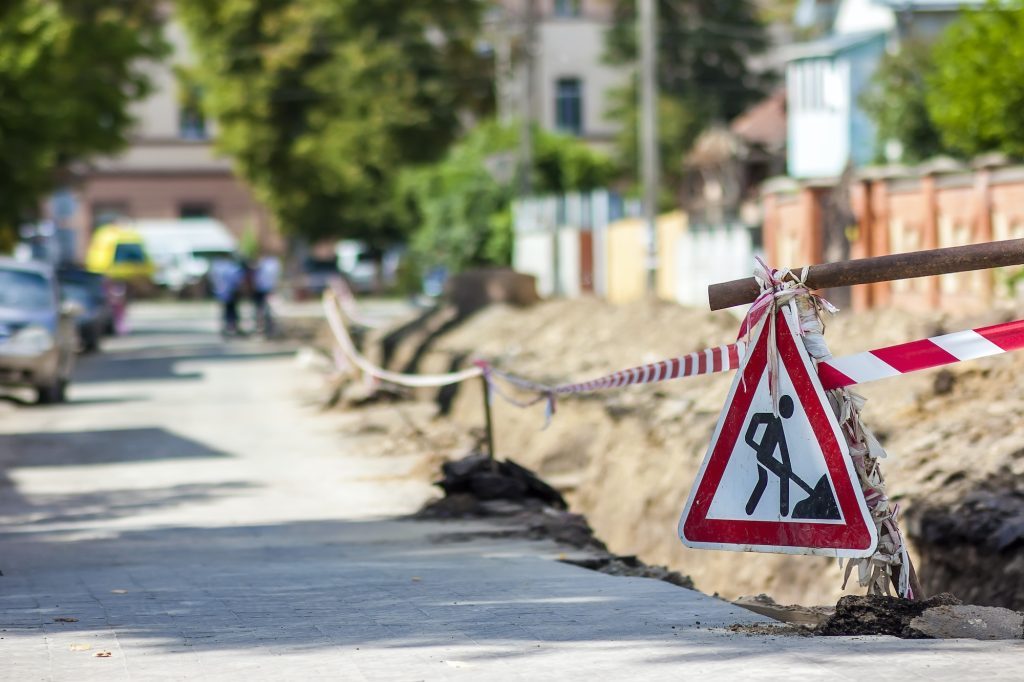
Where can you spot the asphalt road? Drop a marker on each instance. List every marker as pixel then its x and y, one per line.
pixel 189 514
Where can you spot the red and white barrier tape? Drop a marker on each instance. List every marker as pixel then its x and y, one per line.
pixel 921 354
pixel 348 347
pixel 834 373
pixel 347 300
pixel 709 361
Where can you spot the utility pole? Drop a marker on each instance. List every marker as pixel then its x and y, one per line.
pixel 529 100
pixel 647 38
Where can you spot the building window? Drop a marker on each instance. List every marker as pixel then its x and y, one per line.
pixel 569 106
pixel 195 209
pixel 191 122
pixel 568 8
pixel 107 212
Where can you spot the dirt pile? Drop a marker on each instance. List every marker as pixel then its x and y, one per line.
pixel 875 615
pixel 488 479
pixel 627 458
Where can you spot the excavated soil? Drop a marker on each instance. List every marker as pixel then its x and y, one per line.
pixel 626 459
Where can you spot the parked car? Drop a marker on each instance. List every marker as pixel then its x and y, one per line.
pixel 37 331
pixel 183 250
pixel 360 264
pixel 314 277
pixel 92 294
pixel 118 252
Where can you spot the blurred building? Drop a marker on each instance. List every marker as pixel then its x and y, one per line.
pixel 169 170
pixel 895 209
pixel 825 77
pixel 570 81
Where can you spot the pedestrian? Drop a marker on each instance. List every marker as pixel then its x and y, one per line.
pixel 265 274
pixel 226 276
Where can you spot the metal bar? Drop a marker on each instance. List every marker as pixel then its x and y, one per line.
pixel 883 269
pixel 487 413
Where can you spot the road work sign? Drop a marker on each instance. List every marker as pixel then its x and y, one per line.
pixel 778 478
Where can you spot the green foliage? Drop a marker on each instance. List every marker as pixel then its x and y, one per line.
pixel 463 203
pixel 322 103
pixel 68 72
pixel 249 244
pixel 896 100
pixel 703 49
pixel 976 90
pixel 679 124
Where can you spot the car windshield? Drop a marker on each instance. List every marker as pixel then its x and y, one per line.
pixel 129 253
pixel 321 265
pixel 24 290
pixel 210 254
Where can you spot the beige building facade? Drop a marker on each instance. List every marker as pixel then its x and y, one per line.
pixel 571 80
pixel 170 169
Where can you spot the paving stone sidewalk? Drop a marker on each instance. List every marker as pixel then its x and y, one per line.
pixel 189 515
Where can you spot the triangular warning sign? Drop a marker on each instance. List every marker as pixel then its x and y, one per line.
pixel 778 482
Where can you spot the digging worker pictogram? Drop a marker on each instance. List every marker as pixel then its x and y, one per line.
pixel 820 502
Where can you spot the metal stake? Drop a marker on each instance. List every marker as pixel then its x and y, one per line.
pixel 487 413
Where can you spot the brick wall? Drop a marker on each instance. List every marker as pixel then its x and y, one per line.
pixel 910 210
pixel 152 195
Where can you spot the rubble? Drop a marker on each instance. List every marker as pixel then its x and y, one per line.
pixel 794 614
pixel 491 479
pixel 969 622
pixel 880 615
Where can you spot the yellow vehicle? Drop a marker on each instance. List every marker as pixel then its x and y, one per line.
pixel 118 252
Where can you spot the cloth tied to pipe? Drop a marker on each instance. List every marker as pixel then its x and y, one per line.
pixel 781 287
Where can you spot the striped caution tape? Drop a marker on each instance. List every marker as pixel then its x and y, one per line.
pixel 348 347
pixel 709 361
pixel 347 301
pixel 834 373
pixel 922 354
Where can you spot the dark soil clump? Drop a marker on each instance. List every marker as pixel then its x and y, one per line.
pixel 488 479
pixel 632 567
pixel 878 615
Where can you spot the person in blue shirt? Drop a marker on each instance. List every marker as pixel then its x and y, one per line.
pixel 226 278
pixel 265 273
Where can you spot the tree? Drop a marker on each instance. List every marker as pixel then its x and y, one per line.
pixel 896 100
pixel 703 50
pixel 463 203
pixel 68 72
pixel 322 103
pixel 976 90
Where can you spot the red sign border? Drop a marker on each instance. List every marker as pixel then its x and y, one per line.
pixel 855 537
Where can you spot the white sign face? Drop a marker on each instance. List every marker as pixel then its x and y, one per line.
pixel 778 481
pixel 777 471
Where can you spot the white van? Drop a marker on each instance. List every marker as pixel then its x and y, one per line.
pixel 182 250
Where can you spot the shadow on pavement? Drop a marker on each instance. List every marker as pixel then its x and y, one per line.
pixel 160 363
pixel 309 585
pixel 77 448
pixel 110 504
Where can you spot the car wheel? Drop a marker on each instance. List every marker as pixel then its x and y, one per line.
pixel 52 393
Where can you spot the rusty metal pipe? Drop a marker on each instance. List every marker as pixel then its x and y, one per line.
pixel 883 269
